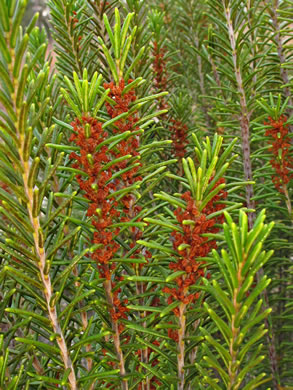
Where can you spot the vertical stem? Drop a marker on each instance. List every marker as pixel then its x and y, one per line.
pixel 71 38
pixel 288 201
pixel 271 339
pixel 215 71
pixel 145 384
pixel 84 321
pixel 40 252
pixel 233 365
pixel 116 336
pixel 39 240
pixel 193 353
pixel 144 352
pixel 244 124
pixel 244 117
pixel 250 10
pixel 181 346
pixel 220 129
pixel 201 84
pixel 281 55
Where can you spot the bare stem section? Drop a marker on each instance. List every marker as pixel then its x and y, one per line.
pixel 116 336
pixel 84 320
pixel 244 117
pixel 288 201
pixel 233 364
pixel 146 383
pixel 181 346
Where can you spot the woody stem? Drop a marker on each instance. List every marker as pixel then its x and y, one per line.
pixel 84 320
pixel 247 165
pixel 144 352
pixel 181 336
pixel 281 54
pixel 234 363
pixel 288 201
pixel 244 117
pixel 116 336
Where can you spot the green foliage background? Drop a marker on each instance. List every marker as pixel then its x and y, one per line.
pixel 227 68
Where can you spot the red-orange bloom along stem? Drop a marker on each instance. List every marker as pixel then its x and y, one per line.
pixel 197 246
pixel 177 128
pixel 282 162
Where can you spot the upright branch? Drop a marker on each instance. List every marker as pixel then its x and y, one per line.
pixel 177 128
pixel 244 115
pixel 41 255
pixel 197 217
pixel 278 37
pixel 70 45
pixel 100 164
pixel 240 325
pixel 191 246
pixel 28 168
pixel 160 73
pixel 108 163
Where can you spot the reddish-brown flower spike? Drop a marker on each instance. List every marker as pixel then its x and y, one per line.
pixel 179 137
pixel 161 76
pixel 177 129
pixel 123 101
pixel 282 162
pixel 97 187
pixel 195 246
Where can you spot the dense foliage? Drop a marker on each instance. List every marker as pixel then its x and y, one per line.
pixel 145 195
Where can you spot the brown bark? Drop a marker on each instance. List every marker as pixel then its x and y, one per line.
pixel 116 335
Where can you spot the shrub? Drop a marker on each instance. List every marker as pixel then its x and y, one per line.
pixel 140 154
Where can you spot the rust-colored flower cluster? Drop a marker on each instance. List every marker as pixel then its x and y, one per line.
pixel 282 162
pixel 177 128
pixel 161 76
pixel 123 101
pixel 179 137
pixel 130 145
pixel 118 310
pixel 191 246
pixel 99 186
pixel 173 334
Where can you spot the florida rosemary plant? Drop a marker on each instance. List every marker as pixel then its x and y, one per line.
pixel 146 195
